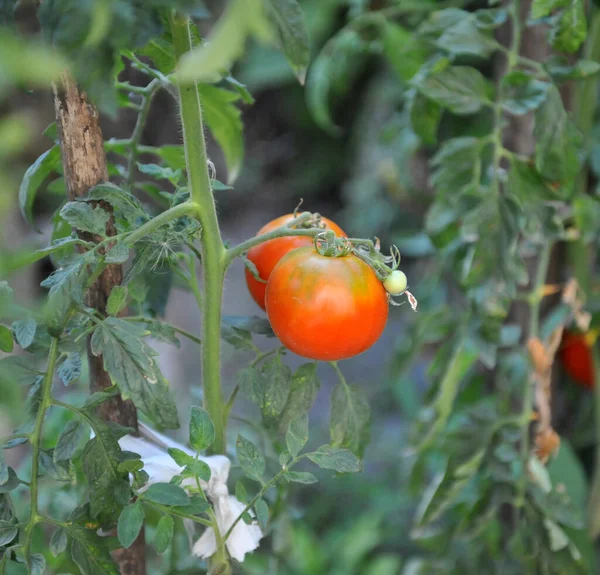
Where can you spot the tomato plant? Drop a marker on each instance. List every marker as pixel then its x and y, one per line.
pixel 325 308
pixel 266 255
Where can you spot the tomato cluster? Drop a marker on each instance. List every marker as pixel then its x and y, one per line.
pixel 320 307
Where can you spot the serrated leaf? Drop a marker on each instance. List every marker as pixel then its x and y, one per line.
pixel 167 494
pixel 58 542
pixel 570 30
pixel 303 392
pixel 6 339
pixel 129 360
pixel 291 31
pixel 461 89
pixel 341 460
pixel 17 369
pixel 8 531
pixel 250 458
pixel 91 554
pixel 130 524
pixel 70 369
pixel 164 534
pixel 121 201
pixel 84 217
pixel 224 120
pixel 118 254
pixel 70 439
pixel 35 175
pixel 117 300
pixel 24 330
pixel 350 418
pixel 262 513
pixel 297 435
pixel 300 477
pixel 197 468
pixel 202 430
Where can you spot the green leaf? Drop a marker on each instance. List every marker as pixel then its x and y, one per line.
pixel 121 201
pixel 262 513
pixel 224 121
pixel 288 20
pixel 164 534
pixel 3 468
pixel 130 523
pixel 488 19
pixel 8 531
pixel 58 542
pixel 197 468
pixel 167 494
pixel 17 369
pixel 251 460
pixel 69 440
pixel 297 435
pixel 117 300
pixel 225 44
pixel 465 38
pixel 180 457
pixel 542 8
pixel 6 339
pixel 12 483
pixel 117 254
pixel 403 50
pixel 84 217
pixel 569 32
pixel 303 392
pixel 202 430
pixel 160 51
pixel 35 175
pixel 70 369
pixel 340 460
pixel 24 330
pixel 425 116
pixel 130 362
pixel 461 89
pixel 350 418
pixel 37 564
pixel 300 477
pixel 560 69
pixel 525 94
pixel 555 153
pixel 91 554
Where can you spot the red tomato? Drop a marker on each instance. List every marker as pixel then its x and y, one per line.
pixel 265 256
pixel 576 357
pixel 325 308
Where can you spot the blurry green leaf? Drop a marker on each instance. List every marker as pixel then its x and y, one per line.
pixel 12 483
pixel 569 32
pixel 167 494
pixel 333 71
pixel 18 370
pixel 160 172
pixel 541 8
pixel 555 153
pixel 70 369
pixel 341 460
pixel 558 538
pixel 251 460
pixel 223 119
pixel 35 175
pixel 37 564
pixel 586 210
pixel 6 339
pixel 262 513
pixel 425 116
pixel 297 435
pixel 3 468
pixel 241 493
pixel 302 394
pixel 253 324
pixel 164 534
pixel 117 254
pixel 197 468
pixel 58 542
pixel 524 93
pixel 70 439
pixel 491 18
pixel 130 523
pixel 117 300
pixel 288 20
pixel 300 477
pixel 464 37
pixel 160 51
pixel 84 217
pixel 121 201
pixel 461 89
pixel 225 44
pixel 129 360
pixel 440 20
pixel 350 418
pixel 561 69
pixel 202 430
pixel 405 53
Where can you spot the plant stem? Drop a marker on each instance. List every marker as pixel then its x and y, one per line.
pixel 148 94
pixel 212 248
pixel 178 211
pixel 36 440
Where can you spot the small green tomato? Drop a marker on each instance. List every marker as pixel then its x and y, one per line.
pixel 395 283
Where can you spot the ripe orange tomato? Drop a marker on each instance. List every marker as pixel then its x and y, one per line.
pixel 576 357
pixel 265 256
pixel 325 308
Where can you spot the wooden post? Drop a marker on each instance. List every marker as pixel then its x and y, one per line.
pixel 84 165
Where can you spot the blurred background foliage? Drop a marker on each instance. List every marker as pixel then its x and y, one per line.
pixel 353 143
